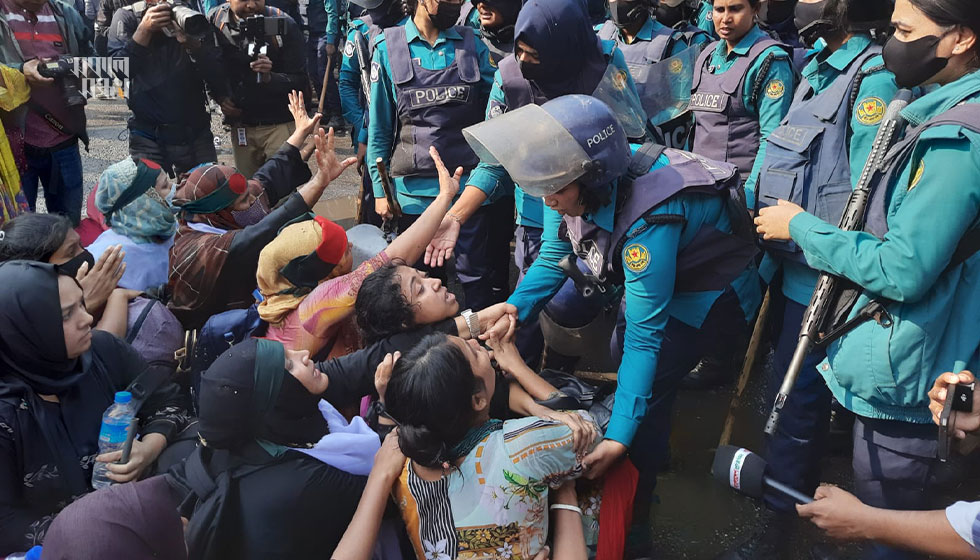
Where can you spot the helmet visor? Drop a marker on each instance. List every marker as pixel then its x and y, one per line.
pixel 535 149
pixel 669 82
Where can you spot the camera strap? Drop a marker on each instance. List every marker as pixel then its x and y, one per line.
pixel 55 123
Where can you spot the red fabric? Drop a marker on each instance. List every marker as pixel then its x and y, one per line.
pixel 616 511
pixel 334 241
pixel 94 224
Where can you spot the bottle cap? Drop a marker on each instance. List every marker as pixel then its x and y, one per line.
pixel 123 397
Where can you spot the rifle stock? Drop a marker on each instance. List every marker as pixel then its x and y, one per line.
pixel 828 285
pixel 364 63
pixel 389 225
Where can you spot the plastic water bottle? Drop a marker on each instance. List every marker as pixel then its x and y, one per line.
pixel 112 436
pixel 32 554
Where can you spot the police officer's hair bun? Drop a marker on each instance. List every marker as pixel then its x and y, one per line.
pixel 430 396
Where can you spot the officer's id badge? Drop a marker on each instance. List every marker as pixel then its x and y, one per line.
pixel 636 257
pixel 676 66
pixel 619 80
pixel 918 175
pixel 870 111
pixel 495 109
pixel 775 89
pixel 349 49
pixel 375 71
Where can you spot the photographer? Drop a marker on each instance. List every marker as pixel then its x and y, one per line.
pixel 32 32
pixel 265 60
pixel 168 67
pixel 952 533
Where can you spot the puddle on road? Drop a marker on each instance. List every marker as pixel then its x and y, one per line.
pixel 341 210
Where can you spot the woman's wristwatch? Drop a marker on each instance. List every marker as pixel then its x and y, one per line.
pixel 472 322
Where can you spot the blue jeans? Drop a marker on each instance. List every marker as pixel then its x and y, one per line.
pixel 60 173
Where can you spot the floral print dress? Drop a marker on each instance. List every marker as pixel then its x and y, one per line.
pixel 495 506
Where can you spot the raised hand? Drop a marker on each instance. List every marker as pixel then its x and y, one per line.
pixel 304 123
pixel 327 165
pixel 448 184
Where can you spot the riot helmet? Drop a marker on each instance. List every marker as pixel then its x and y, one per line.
pixel 545 148
pixel 629 13
pixel 834 17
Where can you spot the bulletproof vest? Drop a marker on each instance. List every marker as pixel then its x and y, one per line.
pixel 373 31
pixel 434 106
pixel 689 32
pixel 807 156
pixel 725 129
pixel 966 115
pixel 498 51
pixel 517 91
pixel 641 55
pixel 711 261
pixel 464 12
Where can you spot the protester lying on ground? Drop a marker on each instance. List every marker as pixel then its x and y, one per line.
pixel 134 196
pixel 463 475
pixel 226 221
pixel 57 377
pixel 137 520
pixel 949 533
pixel 288 469
pixel 305 276
pixel 50 238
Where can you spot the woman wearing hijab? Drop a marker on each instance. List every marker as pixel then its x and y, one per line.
pixel 133 196
pixel 278 475
pixel 57 377
pixel 137 521
pixel 305 277
pixel 225 221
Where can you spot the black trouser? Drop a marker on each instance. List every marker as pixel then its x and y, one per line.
pixel 175 153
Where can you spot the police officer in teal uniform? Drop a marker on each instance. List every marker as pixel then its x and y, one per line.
pixel 378 14
pixel 679 14
pixel 703 19
pixel 557 53
pixel 917 257
pixel 743 87
pixel 814 158
pixel 429 80
pixel 637 226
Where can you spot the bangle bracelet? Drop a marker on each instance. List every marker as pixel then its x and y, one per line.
pixel 576 509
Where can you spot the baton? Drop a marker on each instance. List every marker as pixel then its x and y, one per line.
pixel 389 225
pixel 323 88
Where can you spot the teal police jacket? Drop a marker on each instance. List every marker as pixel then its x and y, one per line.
pixel 494 179
pixel 775 93
pixel 351 98
pixel 875 91
pixel 703 19
pixel 414 193
pixel 933 201
pixel 651 297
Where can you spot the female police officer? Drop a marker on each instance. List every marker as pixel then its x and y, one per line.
pixel 658 226
pixel 429 80
pixel 832 122
pixel 556 53
pixel 924 271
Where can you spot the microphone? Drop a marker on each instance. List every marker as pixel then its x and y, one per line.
pixel 746 472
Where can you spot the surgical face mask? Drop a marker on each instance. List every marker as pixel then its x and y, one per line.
pixel 253 214
pixel 71 266
pixel 670 15
pixel 810 21
pixel 913 62
pixel 170 195
pixel 446 16
pixel 628 13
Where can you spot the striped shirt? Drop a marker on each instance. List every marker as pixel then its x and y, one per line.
pixel 39 36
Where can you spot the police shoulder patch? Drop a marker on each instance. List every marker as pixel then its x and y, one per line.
pixel 375 70
pixel 917 176
pixel 775 89
pixel 870 111
pixel 636 257
pixel 349 49
pixel 493 63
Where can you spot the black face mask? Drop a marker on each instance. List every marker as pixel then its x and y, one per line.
pixel 535 72
pixel 811 23
pixel 778 11
pixel 446 16
pixel 913 62
pixel 629 13
pixel 70 267
pixel 670 15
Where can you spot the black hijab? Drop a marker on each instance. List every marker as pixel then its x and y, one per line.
pixel 32 336
pixel 248 396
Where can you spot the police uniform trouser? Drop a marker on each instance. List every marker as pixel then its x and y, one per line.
pixel 795 451
pixel 529 340
pixel 895 467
